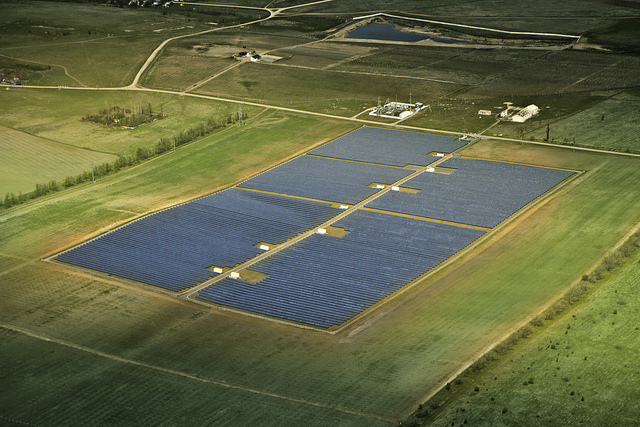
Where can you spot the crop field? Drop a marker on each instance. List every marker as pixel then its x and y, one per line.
pixel 28 160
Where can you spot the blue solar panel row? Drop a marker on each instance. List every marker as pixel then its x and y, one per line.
pixel 173 248
pixel 478 192
pixel 325 179
pixel 388 147
pixel 324 280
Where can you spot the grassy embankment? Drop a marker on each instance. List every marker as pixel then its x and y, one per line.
pixel 379 368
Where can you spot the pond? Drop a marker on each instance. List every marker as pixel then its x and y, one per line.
pixel 386 32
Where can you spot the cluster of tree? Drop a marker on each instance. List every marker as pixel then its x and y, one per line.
pixel 142 153
pixel 118 116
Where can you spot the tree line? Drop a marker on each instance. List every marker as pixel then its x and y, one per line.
pixel 142 153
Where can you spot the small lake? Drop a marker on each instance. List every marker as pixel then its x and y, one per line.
pixel 386 32
pixel 389 32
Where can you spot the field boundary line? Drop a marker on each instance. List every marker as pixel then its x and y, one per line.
pixel 186 375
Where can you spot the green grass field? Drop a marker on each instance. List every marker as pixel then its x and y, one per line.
pixel 78 349
pixel 99 46
pixel 57 115
pixel 380 368
pixel 611 124
pixel 337 93
pixel 581 367
pixel 28 160
pixel 163 74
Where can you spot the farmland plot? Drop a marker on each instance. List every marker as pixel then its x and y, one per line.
pixel 28 160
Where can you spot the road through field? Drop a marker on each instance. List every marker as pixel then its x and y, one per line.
pixel 156 52
pixel 330 116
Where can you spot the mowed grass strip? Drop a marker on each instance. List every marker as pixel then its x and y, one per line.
pixel 28 160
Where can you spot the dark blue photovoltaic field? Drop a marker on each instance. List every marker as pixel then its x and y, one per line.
pixel 478 192
pixel 324 280
pixel 173 248
pixel 389 147
pixel 325 179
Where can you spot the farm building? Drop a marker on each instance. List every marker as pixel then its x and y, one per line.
pixel 519 115
pixel 525 114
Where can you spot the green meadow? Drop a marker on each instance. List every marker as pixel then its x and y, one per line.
pixel 578 370
pixel 374 372
pixel 57 115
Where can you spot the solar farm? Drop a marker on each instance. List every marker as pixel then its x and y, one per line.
pixel 402 203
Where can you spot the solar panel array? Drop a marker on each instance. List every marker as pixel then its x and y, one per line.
pixel 325 179
pixel 173 248
pixel 389 147
pixel 478 192
pixel 325 280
